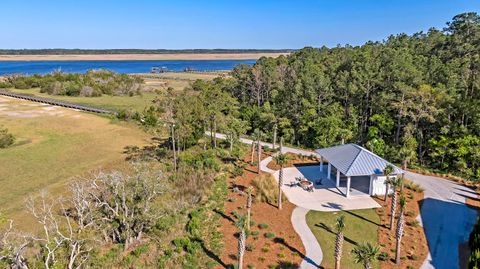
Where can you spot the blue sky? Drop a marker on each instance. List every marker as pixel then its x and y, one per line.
pixel 182 24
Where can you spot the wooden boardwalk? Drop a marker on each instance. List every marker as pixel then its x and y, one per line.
pixel 56 102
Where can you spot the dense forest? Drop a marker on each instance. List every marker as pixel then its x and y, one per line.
pixel 412 99
pixel 132 51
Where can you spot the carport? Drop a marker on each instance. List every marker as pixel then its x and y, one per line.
pixel 355 170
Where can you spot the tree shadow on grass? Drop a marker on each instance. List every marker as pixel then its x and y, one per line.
pixel 365 219
pixel 328 229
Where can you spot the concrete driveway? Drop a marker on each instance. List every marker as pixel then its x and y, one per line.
pixel 325 197
pixel 446 219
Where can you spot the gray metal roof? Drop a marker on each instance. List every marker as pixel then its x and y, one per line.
pixel 354 160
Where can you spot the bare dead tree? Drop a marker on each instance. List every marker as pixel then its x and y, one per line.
pixel 12 248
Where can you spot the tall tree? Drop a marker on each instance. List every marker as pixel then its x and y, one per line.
pixel 387 171
pixel 281 159
pixel 340 226
pixel 395 183
pixel 400 227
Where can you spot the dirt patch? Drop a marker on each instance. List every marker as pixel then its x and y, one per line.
pixel 295 159
pixel 282 248
pixel 414 247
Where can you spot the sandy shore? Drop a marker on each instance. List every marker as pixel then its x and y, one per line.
pixel 123 57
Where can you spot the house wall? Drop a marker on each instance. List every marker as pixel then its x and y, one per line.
pixel 378 185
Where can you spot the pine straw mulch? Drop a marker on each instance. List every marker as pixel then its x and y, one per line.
pixel 295 159
pixel 284 250
pixel 414 247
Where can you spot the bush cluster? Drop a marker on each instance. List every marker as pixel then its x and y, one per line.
pixel 6 138
pixel 92 83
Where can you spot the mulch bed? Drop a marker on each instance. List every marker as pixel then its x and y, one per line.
pixel 414 247
pixel 284 249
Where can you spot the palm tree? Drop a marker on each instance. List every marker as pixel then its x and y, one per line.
pixel 387 171
pixel 400 225
pixel 252 152
pixel 366 253
pixel 242 238
pixel 395 182
pixel 340 226
pixel 249 205
pixel 280 159
pixel 258 135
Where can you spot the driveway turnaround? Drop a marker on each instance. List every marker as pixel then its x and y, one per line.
pixel 446 219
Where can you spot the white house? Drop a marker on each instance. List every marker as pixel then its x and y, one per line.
pixel 355 169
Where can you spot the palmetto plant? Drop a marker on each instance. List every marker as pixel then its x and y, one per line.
pixel 387 171
pixel 395 182
pixel 281 159
pixel 365 254
pixel 249 205
pixel 340 226
pixel 400 226
pixel 242 238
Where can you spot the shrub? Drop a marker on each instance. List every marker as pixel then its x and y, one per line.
pixel 6 139
pixel 267 190
pixel 412 186
pixel 250 247
pixel 263 226
pixel 269 235
pixel 383 256
pixel 255 233
pixel 414 223
pixel 265 249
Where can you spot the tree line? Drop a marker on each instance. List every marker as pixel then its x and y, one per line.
pixel 133 51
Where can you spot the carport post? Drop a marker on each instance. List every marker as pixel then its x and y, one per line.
pixel 329 171
pixel 348 187
pixel 337 184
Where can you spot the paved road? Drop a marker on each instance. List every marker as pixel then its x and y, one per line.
pixel 446 219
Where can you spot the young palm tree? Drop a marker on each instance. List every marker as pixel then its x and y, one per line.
pixel 280 159
pixel 258 135
pixel 387 171
pixel 395 182
pixel 252 152
pixel 242 238
pixel 400 226
pixel 249 205
pixel 366 253
pixel 340 226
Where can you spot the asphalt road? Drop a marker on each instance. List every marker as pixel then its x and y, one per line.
pixel 446 219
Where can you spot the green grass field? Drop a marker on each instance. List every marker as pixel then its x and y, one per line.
pixel 361 226
pixel 54 144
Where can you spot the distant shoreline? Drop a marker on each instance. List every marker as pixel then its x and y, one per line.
pixel 146 57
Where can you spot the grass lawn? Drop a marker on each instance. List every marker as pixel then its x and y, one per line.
pixel 53 144
pixel 360 226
